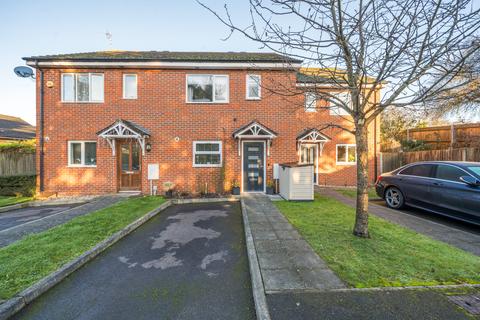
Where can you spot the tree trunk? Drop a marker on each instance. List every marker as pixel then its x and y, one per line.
pixel 361 217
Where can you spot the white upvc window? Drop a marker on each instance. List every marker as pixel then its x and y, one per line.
pixel 254 89
pixel 335 110
pixel 82 153
pixel 82 87
pixel 130 86
pixel 207 88
pixel 346 154
pixel 310 102
pixel 207 153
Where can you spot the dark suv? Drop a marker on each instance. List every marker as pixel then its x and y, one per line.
pixel 445 187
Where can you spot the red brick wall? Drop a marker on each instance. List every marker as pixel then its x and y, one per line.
pixel 161 108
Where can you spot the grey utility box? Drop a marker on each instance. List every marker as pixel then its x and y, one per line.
pixel 296 181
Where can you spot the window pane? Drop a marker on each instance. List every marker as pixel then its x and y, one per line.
pixel 130 86
pixel 449 173
pixel 253 86
pixel 221 88
pixel 207 159
pixel 335 109
pixel 125 153
pixel 475 169
pixel 310 101
pixel 352 153
pixel 75 153
pixel 200 88
pixel 341 153
pixel 90 153
pixel 82 87
pixel 68 87
pixel 422 170
pixel 135 156
pixel 214 147
pixel 97 87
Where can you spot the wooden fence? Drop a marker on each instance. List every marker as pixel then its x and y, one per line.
pixel 16 164
pixel 392 160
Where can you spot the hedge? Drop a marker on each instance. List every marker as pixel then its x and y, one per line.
pixel 17 186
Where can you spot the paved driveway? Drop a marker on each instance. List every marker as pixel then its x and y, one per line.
pixel 187 263
pixel 21 216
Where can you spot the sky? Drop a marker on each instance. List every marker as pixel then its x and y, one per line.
pixel 30 27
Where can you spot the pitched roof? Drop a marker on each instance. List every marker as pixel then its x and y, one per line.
pixel 309 75
pixel 136 128
pixel 15 128
pixel 119 55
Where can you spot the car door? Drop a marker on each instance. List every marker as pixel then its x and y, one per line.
pixel 453 195
pixel 415 182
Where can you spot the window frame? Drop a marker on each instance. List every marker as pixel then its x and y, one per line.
pixel 335 110
pixel 345 163
pixel 195 152
pixel 124 86
pixel 310 109
pixel 213 75
pixel 82 151
pixel 259 84
pixel 75 87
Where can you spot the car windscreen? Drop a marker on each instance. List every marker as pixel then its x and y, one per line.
pixel 475 169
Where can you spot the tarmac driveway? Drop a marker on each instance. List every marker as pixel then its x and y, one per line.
pixel 21 216
pixel 187 263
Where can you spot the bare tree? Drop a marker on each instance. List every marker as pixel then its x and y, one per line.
pixel 363 45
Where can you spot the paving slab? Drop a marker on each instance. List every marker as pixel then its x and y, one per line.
pixel 287 262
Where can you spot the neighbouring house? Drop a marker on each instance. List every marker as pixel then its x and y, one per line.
pixel 15 129
pixel 207 119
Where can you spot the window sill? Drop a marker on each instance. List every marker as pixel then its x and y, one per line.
pixel 135 98
pixel 207 166
pixel 346 163
pixel 311 111
pixel 253 99
pixel 80 166
pixel 208 102
pixel 85 102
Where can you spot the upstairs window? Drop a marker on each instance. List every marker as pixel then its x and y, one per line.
pixel 310 102
pixel 207 88
pixel 346 154
pixel 82 87
pixel 335 110
pixel 82 153
pixel 129 86
pixel 207 154
pixel 253 87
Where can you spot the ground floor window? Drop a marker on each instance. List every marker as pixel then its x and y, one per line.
pixel 207 153
pixel 346 154
pixel 82 153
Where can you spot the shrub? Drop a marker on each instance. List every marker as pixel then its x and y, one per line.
pixel 27 146
pixel 17 186
pixel 414 145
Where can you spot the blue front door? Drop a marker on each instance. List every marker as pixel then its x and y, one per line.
pixel 253 166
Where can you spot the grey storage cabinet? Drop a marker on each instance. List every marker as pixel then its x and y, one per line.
pixel 296 181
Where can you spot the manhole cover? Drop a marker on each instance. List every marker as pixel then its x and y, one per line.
pixel 469 303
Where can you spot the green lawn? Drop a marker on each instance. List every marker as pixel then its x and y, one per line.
pixel 27 261
pixel 394 256
pixel 8 201
pixel 352 193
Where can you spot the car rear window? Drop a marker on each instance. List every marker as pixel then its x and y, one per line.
pixel 420 170
pixel 449 173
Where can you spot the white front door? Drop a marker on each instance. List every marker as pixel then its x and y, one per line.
pixel 309 154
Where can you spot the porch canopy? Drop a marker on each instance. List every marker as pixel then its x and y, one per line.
pixel 312 136
pixel 123 129
pixel 255 131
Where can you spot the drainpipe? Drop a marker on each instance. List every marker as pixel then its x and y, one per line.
pixel 41 130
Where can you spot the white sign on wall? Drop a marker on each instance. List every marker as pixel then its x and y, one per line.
pixel 153 171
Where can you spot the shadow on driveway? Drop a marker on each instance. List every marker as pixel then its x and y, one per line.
pixel 187 263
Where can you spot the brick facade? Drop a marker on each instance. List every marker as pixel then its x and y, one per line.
pixel 161 108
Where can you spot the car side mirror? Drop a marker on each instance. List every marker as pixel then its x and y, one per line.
pixel 471 181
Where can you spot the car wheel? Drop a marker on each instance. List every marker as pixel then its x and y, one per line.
pixel 394 198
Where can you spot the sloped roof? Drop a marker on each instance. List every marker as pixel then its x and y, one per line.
pixel 307 132
pixel 309 75
pixel 15 128
pixel 130 125
pixel 176 56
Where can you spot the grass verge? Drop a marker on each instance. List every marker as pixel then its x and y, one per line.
pixel 25 262
pixel 352 193
pixel 394 256
pixel 8 201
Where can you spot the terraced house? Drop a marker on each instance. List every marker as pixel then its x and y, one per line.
pixel 206 120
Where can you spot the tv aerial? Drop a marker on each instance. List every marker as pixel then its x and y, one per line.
pixel 24 72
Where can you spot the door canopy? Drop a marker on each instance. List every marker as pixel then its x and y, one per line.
pixel 312 136
pixel 254 130
pixel 123 129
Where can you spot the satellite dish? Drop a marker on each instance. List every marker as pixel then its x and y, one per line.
pixel 24 72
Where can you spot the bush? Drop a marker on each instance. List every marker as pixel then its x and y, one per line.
pixel 414 145
pixel 27 146
pixel 17 186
